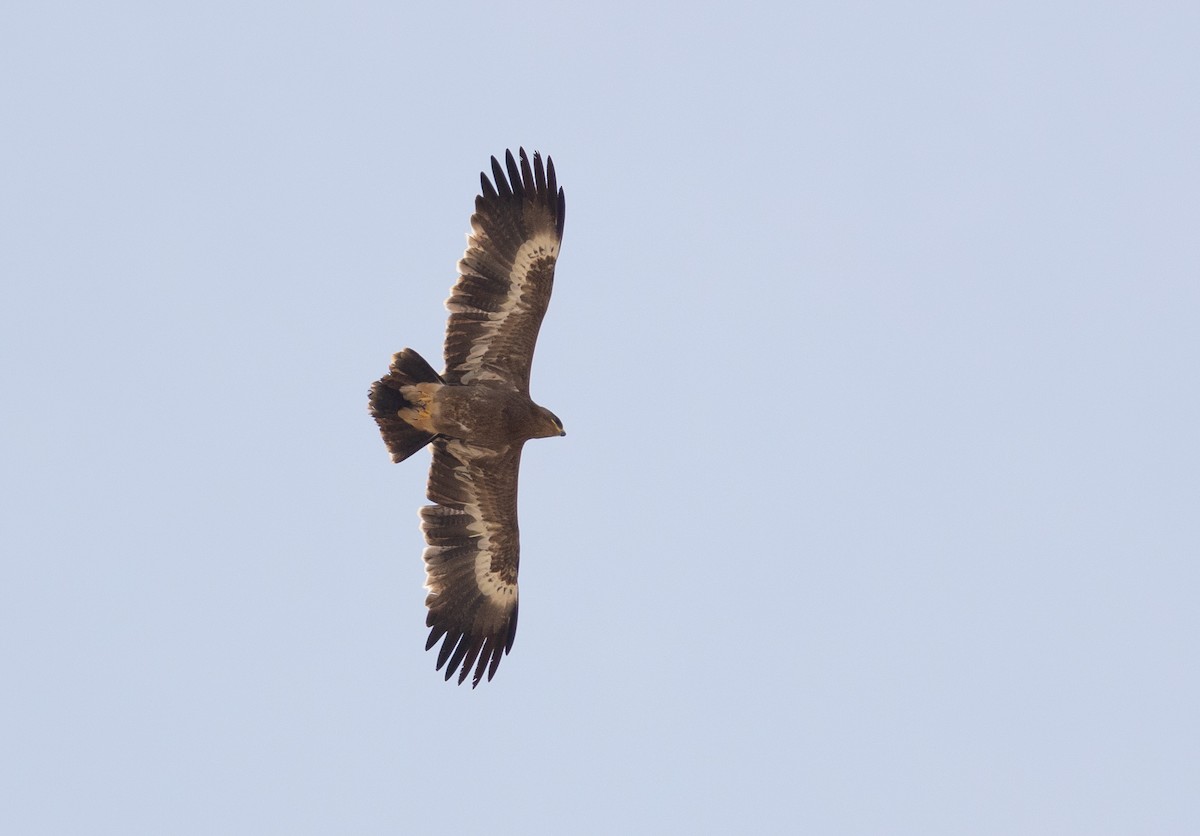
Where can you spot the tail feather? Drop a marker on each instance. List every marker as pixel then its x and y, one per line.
pixel 387 400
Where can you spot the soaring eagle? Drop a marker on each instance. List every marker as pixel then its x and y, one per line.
pixel 478 414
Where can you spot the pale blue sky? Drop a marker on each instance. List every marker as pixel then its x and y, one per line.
pixel 875 335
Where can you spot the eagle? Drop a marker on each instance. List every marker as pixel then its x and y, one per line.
pixel 477 414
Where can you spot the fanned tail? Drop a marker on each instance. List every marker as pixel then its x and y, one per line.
pixel 400 401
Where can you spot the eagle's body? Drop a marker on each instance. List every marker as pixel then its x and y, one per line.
pixel 478 414
pixel 486 415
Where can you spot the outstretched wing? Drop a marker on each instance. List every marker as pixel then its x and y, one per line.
pixel 506 274
pixel 472 555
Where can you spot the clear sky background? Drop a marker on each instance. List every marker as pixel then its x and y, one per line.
pixel 875 334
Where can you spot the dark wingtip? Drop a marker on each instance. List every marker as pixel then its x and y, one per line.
pixel 502 186
pixel 486 187
pixel 464 655
pixel 514 173
pixel 529 183
pixel 447 647
pixel 529 180
pixel 539 174
pixel 551 178
pixel 512 633
pixel 436 633
pixel 561 215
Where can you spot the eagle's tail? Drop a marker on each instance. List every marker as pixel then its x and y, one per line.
pixel 400 404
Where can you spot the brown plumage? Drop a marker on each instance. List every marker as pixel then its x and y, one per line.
pixel 478 414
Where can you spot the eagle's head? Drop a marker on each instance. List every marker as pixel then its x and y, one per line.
pixel 547 423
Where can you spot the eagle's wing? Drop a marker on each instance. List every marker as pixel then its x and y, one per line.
pixel 506 274
pixel 472 555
